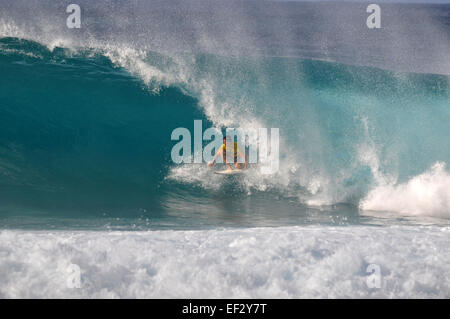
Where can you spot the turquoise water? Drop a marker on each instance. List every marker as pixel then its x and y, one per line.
pixel 85 138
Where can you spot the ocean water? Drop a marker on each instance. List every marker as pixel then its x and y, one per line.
pixel 86 176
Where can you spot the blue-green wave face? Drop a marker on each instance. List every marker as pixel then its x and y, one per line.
pixel 86 132
pixel 80 134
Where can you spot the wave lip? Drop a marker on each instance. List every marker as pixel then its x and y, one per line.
pixel 427 194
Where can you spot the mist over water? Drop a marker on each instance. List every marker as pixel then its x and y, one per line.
pixel 413 37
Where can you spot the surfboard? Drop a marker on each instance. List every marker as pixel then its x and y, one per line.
pixel 232 172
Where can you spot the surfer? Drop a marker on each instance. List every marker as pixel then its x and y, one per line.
pixel 236 152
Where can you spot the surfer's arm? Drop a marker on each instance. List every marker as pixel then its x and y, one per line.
pixel 215 157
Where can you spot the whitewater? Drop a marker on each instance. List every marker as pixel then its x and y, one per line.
pixel 86 178
pixel 292 262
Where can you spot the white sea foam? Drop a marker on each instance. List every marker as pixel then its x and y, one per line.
pixel 287 262
pixel 427 194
